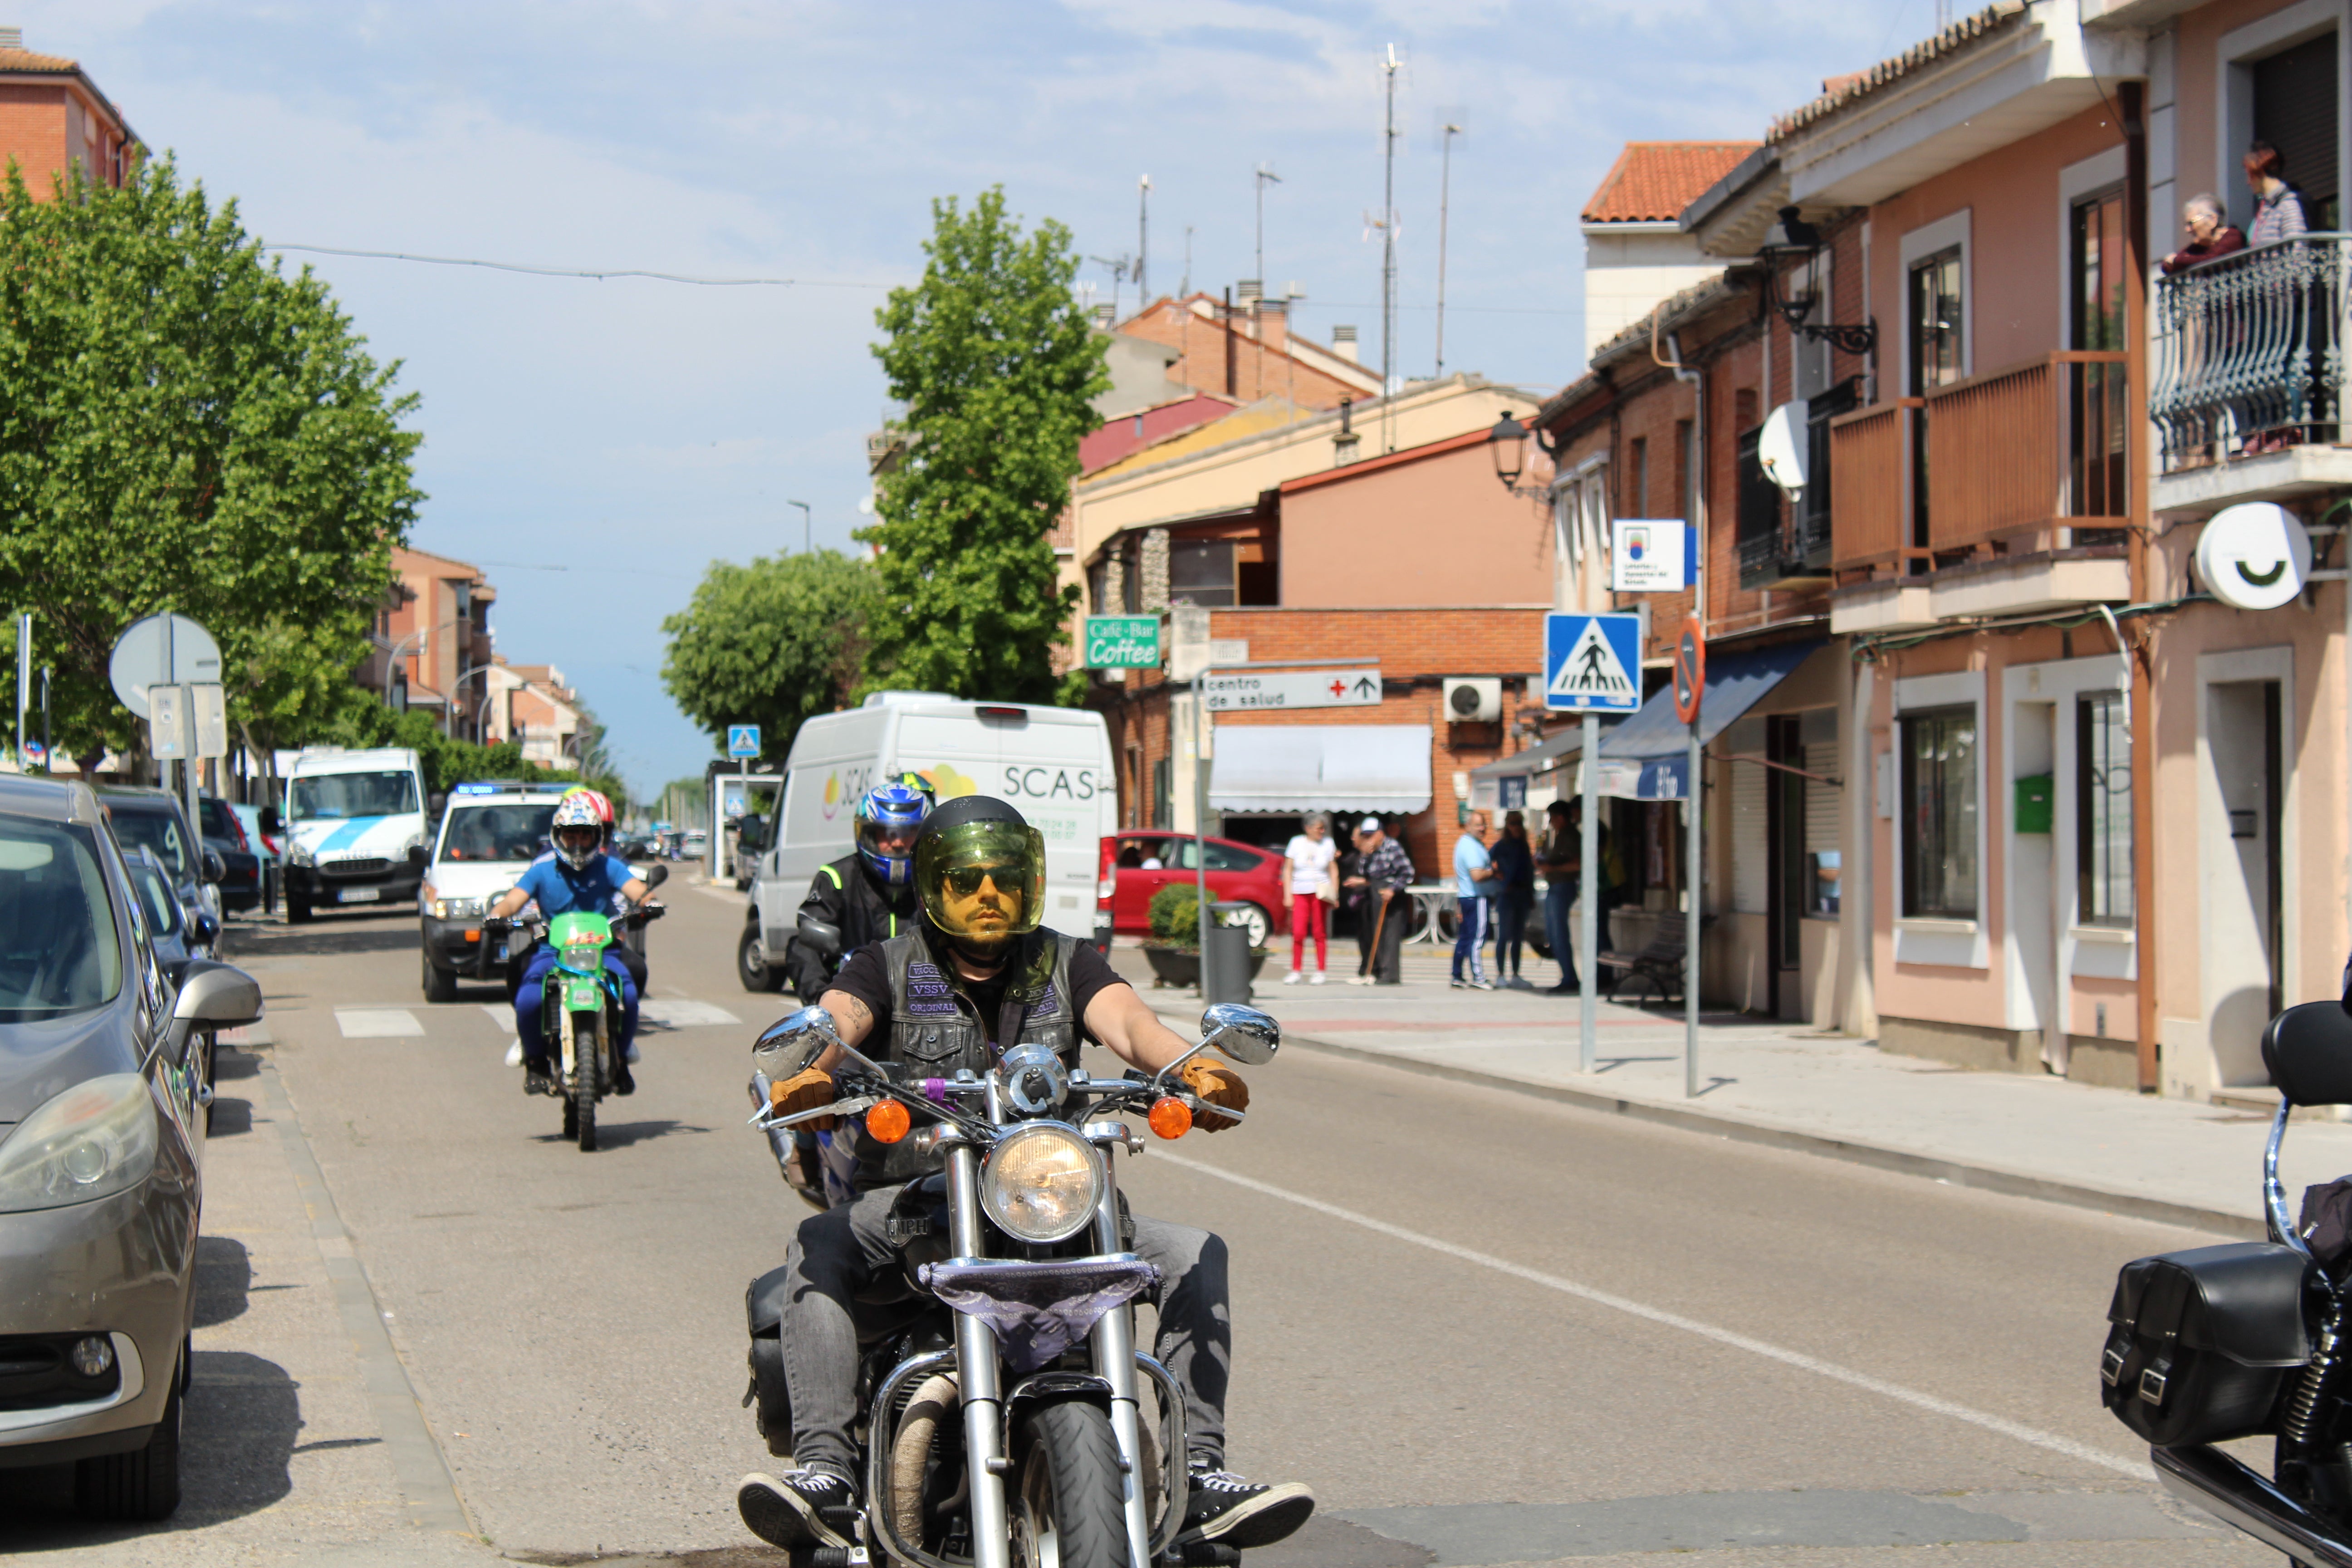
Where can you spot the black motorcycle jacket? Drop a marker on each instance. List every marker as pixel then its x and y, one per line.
pixel 844 896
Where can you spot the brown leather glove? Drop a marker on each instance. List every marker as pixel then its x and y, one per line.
pixel 1215 1085
pixel 804 1090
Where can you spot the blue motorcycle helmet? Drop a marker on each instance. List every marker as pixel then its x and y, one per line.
pixel 888 815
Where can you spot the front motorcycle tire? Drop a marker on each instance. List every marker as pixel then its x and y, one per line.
pixel 1070 1511
pixel 588 1047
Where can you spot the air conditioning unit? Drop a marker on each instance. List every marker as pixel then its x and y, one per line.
pixel 1474 699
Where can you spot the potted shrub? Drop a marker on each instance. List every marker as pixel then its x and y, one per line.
pixel 1173 948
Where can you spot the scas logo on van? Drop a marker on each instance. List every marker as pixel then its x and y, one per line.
pixel 1047 783
pixel 842 790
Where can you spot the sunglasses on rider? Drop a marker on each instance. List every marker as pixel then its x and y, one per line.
pixel 963 881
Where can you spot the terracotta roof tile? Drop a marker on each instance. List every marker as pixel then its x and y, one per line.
pixel 26 62
pixel 1838 91
pixel 1652 182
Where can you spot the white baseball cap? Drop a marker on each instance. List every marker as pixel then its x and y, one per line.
pixel 1370 824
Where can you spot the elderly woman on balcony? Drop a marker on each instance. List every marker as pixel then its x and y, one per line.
pixel 2210 234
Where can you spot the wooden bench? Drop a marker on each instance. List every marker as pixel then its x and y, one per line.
pixel 1661 964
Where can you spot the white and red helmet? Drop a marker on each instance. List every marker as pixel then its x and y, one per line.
pixel 574 813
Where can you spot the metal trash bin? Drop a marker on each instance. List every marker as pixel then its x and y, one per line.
pixel 1226 962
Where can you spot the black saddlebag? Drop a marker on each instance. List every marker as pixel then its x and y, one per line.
pixel 2201 1341
pixel 763 1305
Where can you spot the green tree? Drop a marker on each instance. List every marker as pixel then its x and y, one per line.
pixel 184 426
pixel 769 644
pixel 995 364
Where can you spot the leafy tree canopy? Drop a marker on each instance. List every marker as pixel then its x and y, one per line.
pixel 995 364
pixel 184 426
pixel 769 644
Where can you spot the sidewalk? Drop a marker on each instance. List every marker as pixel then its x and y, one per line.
pixel 2178 1162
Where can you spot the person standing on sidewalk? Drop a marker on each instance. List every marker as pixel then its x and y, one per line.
pixel 1515 895
pixel 1387 908
pixel 1563 862
pixel 1474 890
pixel 1313 888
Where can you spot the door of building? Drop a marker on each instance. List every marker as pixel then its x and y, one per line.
pixel 2243 925
pixel 1785 828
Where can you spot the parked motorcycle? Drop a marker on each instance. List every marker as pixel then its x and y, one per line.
pixel 2251 1339
pixel 580 1014
pixel 1002 1409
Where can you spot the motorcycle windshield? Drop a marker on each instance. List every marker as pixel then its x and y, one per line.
pixel 584 932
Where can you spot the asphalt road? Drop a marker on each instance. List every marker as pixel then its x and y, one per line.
pixel 1487 1328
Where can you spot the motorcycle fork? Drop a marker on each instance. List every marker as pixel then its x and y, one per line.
pixel 979 1374
pixel 564 1033
pixel 1113 1338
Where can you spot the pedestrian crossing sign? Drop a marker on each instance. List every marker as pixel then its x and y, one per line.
pixel 1592 663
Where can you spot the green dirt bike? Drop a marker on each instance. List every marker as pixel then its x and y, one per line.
pixel 580 1015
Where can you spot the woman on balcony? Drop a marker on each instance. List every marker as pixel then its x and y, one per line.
pixel 2278 207
pixel 2210 237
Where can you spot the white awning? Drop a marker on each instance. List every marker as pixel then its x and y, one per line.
pixel 1289 768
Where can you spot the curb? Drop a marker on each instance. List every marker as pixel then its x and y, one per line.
pixel 1959 1174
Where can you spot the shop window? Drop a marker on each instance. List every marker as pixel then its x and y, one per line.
pixel 1130 593
pixel 1200 572
pixel 2103 810
pixel 1098 588
pixel 1939 800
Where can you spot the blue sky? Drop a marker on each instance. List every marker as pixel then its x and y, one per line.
pixel 593 444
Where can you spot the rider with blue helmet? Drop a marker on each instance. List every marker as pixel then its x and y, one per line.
pixel 868 895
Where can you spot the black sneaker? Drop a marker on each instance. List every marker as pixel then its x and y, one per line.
pixel 538 1075
pixel 800 1509
pixel 622 1082
pixel 1225 1508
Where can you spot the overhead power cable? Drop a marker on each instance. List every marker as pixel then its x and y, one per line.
pixel 587 271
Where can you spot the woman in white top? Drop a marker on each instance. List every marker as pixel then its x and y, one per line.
pixel 1313 888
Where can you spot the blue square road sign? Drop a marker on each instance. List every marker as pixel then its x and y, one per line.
pixel 742 739
pixel 1592 663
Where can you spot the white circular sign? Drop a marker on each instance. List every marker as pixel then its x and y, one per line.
pixel 2253 556
pixel 162 650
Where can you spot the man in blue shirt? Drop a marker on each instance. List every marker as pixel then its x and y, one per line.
pixel 1474 887
pixel 578 879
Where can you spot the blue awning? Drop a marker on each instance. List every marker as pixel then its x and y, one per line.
pixel 1664 779
pixel 1735 683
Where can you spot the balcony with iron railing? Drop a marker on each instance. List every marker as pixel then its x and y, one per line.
pixel 2004 493
pixel 2249 375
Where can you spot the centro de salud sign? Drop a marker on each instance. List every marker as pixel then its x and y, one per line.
pixel 1123 642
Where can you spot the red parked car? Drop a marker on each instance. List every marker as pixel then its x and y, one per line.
pixel 1240 872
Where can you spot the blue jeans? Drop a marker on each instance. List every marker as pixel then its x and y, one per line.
pixel 534 993
pixel 1470 936
pixel 1557 900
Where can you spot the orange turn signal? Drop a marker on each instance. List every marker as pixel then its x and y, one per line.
pixel 888 1122
pixel 1171 1117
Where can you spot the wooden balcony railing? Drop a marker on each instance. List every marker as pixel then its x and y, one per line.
pixel 1866 506
pixel 2027 449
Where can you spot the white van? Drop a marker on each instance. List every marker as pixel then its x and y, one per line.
pixel 351 818
pixel 1054 764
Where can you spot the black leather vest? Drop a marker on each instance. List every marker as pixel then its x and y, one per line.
pixel 935 1028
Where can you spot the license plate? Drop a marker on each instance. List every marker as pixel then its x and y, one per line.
pixel 359 895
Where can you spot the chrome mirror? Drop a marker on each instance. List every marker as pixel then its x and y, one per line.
pixel 217 996
pixel 790 1044
pixel 1244 1034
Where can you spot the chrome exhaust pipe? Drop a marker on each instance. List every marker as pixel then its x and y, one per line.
pixel 2236 1496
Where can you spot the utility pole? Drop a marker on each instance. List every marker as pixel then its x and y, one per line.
pixel 1444 194
pixel 807 531
pixel 1387 252
pixel 1265 176
pixel 1142 240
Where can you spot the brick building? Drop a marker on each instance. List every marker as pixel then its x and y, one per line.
pixel 53 118
pixel 438 639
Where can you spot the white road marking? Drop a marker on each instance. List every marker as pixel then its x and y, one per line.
pixel 2050 1440
pixel 376 1023
pixel 683 1013
pixel 502 1017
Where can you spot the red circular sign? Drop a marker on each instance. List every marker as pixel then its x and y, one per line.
pixel 1690 671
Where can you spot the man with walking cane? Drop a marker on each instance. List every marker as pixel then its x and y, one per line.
pixel 1384 872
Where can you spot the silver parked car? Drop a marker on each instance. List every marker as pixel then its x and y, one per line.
pixel 102 1075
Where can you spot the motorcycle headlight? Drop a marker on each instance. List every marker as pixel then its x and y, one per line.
pixel 92 1141
pixel 1043 1183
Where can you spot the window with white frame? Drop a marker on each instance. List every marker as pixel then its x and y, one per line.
pixel 2103 809
pixel 1939 802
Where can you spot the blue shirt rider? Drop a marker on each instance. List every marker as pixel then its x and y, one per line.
pixel 579 877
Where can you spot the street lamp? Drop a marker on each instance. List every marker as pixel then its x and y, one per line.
pixel 1506 443
pixel 1792 239
pixel 804 523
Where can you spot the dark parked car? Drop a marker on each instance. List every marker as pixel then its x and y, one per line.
pixel 103 1074
pixel 240 884
pixel 175 932
pixel 153 818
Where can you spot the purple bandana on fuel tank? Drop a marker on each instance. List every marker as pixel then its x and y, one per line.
pixel 1039 1309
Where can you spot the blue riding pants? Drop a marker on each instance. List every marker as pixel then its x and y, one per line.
pixel 534 993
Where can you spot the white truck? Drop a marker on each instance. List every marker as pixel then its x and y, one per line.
pixel 351 818
pixel 1054 764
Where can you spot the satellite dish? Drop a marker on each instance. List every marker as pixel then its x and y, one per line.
pixel 1781 447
